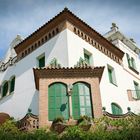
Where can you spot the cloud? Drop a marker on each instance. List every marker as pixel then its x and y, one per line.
pixel 24 17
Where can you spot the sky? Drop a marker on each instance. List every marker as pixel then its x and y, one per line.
pixel 25 16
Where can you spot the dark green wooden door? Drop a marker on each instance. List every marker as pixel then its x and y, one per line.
pixel 58 104
pixel 81 100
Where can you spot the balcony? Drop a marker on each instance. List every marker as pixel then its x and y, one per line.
pixel 133 95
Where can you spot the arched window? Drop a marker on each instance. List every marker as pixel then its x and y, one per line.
pixel 5 88
pixel 116 109
pixel 58 104
pixel 81 100
pixel 12 84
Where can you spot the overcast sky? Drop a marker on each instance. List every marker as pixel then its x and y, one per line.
pixel 25 16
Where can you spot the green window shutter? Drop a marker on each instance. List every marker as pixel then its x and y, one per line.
pixel 41 62
pixel 75 102
pixel 116 110
pixel 12 85
pixel 133 63
pixel 137 88
pixel 58 101
pixel 114 77
pixel 128 60
pixel 81 100
pixel 5 89
pixel 87 58
pixel 51 103
pixel 110 75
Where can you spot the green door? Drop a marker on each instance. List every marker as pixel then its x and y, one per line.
pixel 58 104
pixel 81 100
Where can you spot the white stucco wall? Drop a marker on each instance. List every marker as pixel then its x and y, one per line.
pixel 25 95
pixel 109 92
pixel 67 48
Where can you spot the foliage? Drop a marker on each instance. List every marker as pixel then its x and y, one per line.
pixel 73 133
pixel 84 120
pixel 58 119
pixel 102 129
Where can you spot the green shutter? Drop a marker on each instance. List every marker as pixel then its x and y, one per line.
pixel 58 101
pixel 133 63
pixel 5 89
pixel 137 88
pixel 128 60
pixel 81 100
pixel 87 58
pixel 110 75
pixel 12 85
pixel 41 62
pixel 51 103
pixel 75 102
pixel 116 110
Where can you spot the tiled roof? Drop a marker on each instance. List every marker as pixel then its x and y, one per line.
pixel 68 15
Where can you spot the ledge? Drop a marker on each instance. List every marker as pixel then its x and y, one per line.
pixel 134 70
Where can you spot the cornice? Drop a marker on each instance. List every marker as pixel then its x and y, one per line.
pixel 56 22
pixel 78 72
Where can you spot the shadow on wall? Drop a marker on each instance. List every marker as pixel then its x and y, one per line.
pixel 6 98
pixel 25 64
pixel 34 106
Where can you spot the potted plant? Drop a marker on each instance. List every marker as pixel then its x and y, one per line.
pixel 84 122
pixel 58 124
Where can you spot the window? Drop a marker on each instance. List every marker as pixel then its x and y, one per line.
pixel 87 57
pixel 81 100
pixel 137 90
pixel 111 74
pixel 5 89
pixel 41 61
pixel 131 62
pixel 116 110
pixel 58 103
pixel 12 84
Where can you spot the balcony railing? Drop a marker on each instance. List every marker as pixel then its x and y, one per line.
pixel 133 95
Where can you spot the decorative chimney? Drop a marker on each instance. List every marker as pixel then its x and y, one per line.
pixel 114 27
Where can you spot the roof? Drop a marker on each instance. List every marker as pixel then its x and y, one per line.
pixel 67 15
pixel 86 71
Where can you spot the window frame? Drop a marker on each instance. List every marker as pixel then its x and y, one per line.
pixel 38 60
pixel 131 63
pixel 54 89
pixel 137 89
pixel 111 75
pixel 7 92
pixel 87 53
pixel 115 106
pixel 76 105
pixel 12 84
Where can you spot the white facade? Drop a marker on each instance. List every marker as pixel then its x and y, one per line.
pixel 67 48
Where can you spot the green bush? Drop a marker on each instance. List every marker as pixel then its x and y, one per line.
pixel 102 129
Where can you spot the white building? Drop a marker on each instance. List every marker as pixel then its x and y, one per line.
pixel 66 68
